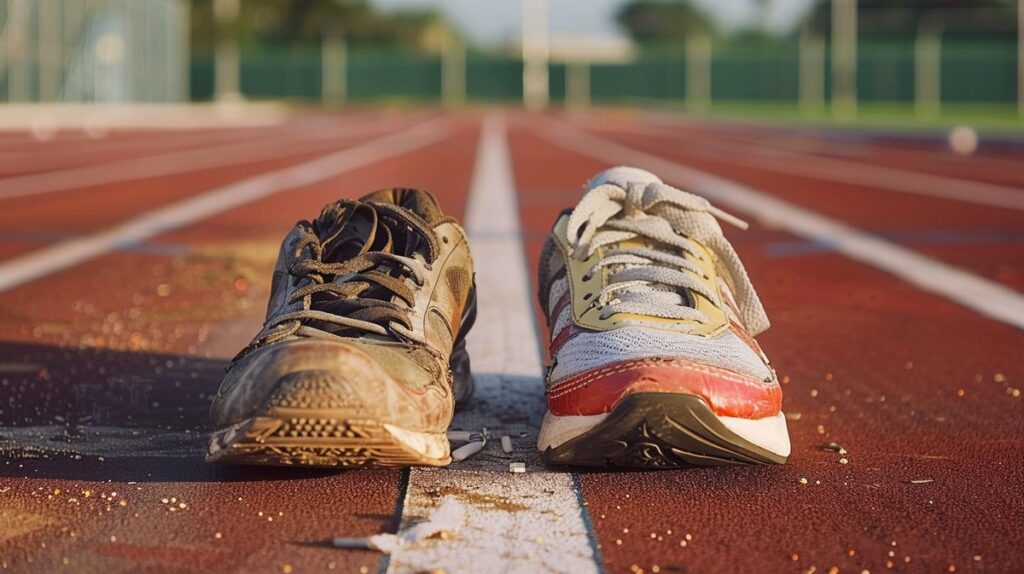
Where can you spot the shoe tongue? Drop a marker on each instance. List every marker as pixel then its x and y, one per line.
pixel 419 202
pixel 349 228
pixel 622 176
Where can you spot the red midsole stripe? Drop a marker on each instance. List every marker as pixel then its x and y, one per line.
pixel 727 393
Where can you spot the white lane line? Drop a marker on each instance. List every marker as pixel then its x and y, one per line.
pixel 530 522
pixel 43 262
pixel 957 285
pixel 853 144
pixel 39 155
pixel 855 173
pixel 181 161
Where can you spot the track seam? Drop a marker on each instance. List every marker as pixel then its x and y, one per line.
pixel 396 517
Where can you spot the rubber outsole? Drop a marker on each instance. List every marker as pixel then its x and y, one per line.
pixel 324 438
pixel 660 430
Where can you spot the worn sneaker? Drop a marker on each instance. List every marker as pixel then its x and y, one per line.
pixel 362 356
pixel 652 318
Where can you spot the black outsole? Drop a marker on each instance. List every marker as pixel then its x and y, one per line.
pixel 660 430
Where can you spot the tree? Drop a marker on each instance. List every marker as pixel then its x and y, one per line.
pixel 904 16
pixel 305 21
pixel 661 21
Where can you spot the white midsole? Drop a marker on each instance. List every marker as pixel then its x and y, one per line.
pixel 558 430
pixel 769 433
pixel 427 445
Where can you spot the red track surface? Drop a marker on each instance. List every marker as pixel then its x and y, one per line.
pixel 915 387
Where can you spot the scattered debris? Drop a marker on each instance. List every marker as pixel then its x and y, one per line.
pixel 517 467
pixel 474 443
pixel 837 448
pixel 469 449
pixel 445 521
pixel 506 443
pixel 460 436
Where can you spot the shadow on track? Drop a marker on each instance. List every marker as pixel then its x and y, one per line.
pixel 104 415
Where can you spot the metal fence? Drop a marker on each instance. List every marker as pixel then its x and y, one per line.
pixel 974 70
pixel 93 51
pixel 139 51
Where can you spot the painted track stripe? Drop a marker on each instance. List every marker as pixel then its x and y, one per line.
pixel 844 141
pixel 177 162
pixel 43 262
pixel 855 173
pixel 957 285
pixel 532 522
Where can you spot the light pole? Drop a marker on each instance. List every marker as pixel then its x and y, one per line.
pixel 928 69
pixel 333 67
pixel 844 58
pixel 1020 57
pixel 812 71
pixel 453 70
pixel 226 61
pixel 698 70
pixel 535 54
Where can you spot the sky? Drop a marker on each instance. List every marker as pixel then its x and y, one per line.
pixel 496 21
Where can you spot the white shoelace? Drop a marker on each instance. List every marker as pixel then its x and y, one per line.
pixel 653 281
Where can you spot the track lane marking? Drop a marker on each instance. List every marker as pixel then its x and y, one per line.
pixel 985 297
pixel 40 263
pixel 852 144
pixel 532 522
pixel 857 173
pixel 176 162
pixel 34 155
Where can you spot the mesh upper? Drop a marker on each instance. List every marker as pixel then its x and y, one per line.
pixel 588 350
pixel 593 350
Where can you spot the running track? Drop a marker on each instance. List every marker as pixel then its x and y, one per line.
pixel 132 269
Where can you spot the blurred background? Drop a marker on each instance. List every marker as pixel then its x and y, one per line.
pixel 920 61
